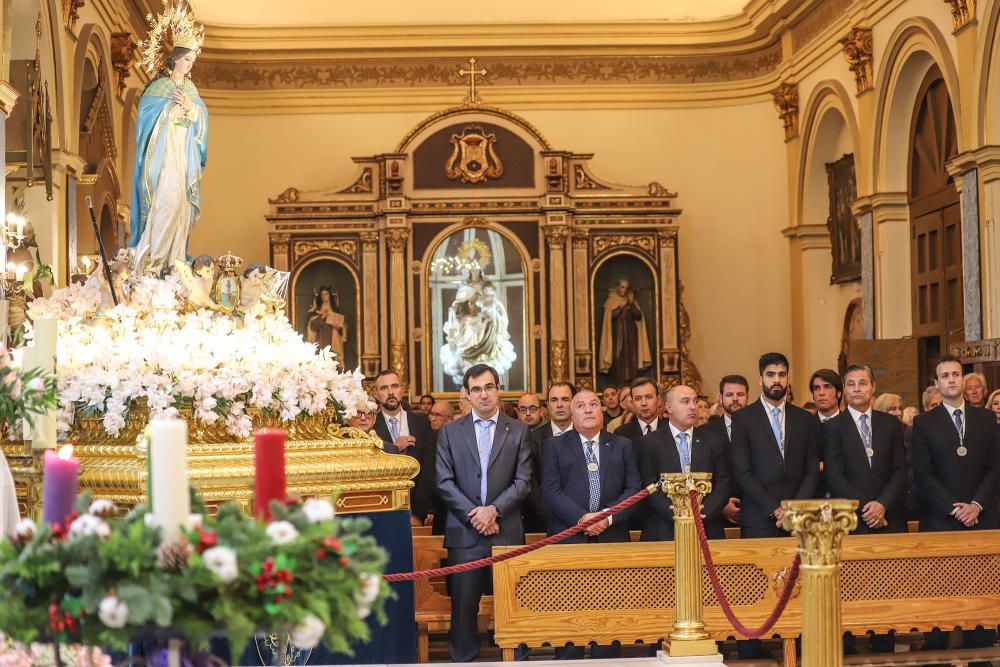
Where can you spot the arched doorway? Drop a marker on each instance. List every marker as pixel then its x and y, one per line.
pixel 935 214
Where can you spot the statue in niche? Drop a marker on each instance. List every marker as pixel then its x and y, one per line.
pixel 624 341
pixel 477 329
pixel 326 325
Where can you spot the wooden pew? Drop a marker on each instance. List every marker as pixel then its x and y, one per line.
pixel 597 592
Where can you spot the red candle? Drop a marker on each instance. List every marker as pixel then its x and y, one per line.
pixel 59 484
pixel 269 477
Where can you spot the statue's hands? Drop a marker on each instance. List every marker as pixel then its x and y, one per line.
pixel 182 100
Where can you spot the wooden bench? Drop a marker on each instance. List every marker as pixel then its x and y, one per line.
pixel 625 592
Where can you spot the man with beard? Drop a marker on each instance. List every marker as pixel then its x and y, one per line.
pixel 775 452
pixel 734 393
pixel 559 400
pixel 682 447
pixel 484 474
pixel 611 407
pixel 529 410
pixel 827 390
pixel 411 433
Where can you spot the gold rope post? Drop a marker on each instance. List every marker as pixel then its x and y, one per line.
pixel 820 526
pixel 688 638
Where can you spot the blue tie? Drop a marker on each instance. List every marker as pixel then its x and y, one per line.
pixel 593 476
pixel 776 427
pixel 866 435
pixel 394 428
pixel 685 451
pixel 484 438
pixel 958 424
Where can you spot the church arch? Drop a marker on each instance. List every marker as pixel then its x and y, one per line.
pixel 914 47
pixel 604 271
pixel 326 268
pixel 433 314
pixel 92 49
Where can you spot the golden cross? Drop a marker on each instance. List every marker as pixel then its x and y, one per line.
pixel 472 72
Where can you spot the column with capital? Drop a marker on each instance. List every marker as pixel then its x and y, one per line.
pixel 555 237
pixel 8 97
pixel 583 367
pixel 370 357
pixel 820 527
pixel 397 240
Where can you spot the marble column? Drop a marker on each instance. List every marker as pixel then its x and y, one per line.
pixel 398 349
pixel 965 174
pixel 583 353
pixel 867 276
pixel 989 173
pixel 891 316
pixel 555 236
pixel 370 358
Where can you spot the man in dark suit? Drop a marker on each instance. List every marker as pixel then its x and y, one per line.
pixel 411 434
pixel 558 400
pixel 865 458
pixel 586 470
pixel 775 452
pixel 827 391
pixel 646 405
pixel 680 447
pixel 484 472
pixel 956 465
pixel 734 394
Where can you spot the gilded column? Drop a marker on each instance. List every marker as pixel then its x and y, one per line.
pixel 820 526
pixel 370 358
pixel 669 307
pixel 397 240
pixel 583 354
pixel 555 236
pixel 688 637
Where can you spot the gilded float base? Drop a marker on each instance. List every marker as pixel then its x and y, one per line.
pixel 707 659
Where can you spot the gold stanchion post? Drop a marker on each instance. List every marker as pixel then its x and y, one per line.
pixel 820 526
pixel 688 639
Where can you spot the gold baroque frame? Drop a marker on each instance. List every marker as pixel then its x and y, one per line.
pixel 595 266
pixel 311 259
pixel 529 306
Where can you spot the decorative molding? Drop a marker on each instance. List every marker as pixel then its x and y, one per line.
pixel 656 190
pixel 557 360
pixel 535 265
pixel 346 247
pixel 363 184
pixel 858 50
pixel 667 236
pixel 416 267
pixel 604 242
pixel 122 58
pixel 786 102
pixel 397 239
pixel 581 239
pixel 288 196
pixel 369 241
pixel 8 98
pixel 819 19
pixel 583 181
pixel 963 12
pixel 556 235
pixel 71 13
pixel 397 360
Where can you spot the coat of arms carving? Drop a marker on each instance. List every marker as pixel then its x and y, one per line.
pixel 473 157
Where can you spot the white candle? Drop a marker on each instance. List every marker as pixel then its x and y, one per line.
pixel 44 357
pixel 168 462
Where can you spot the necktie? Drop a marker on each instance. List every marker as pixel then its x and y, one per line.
pixel 593 476
pixel 866 435
pixel 958 423
pixel 484 439
pixel 685 452
pixel 649 429
pixel 776 427
pixel 394 428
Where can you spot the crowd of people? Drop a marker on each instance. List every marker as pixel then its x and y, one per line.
pixel 490 473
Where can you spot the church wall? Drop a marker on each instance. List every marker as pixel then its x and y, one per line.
pixel 725 222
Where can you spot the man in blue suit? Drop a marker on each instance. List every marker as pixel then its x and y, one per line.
pixel 483 475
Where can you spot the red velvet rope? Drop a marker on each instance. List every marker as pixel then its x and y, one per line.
pixel 786 592
pixel 528 548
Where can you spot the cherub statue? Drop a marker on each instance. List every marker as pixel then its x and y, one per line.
pixel 119 278
pixel 199 279
pixel 254 292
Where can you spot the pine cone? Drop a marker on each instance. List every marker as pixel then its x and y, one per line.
pixel 173 556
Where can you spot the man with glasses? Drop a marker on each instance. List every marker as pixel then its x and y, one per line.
pixel 441 413
pixel 529 410
pixel 484 472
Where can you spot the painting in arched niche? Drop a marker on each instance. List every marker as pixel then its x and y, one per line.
pixel 476 301
pixel 329 321
pixel 624 320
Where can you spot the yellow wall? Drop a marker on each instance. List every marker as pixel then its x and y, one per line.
pixel 727 165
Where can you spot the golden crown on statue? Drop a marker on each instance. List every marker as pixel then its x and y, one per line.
pixel 229 263
pixel 178 21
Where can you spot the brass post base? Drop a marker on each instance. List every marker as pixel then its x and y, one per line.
pixel 713 659
pixel 692 647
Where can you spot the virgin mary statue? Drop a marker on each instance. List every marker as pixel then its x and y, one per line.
pixel 476 330
pixel 171 146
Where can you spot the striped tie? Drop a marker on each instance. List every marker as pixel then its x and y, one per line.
pixel 593 475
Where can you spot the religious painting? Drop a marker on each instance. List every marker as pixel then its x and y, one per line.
pixel 477 299
pixel 845 235
pixel 325 309
pixel 624 311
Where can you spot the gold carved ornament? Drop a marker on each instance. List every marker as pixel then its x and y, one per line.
pixel 474 252
pixel 473 158
pixel 346 247
pixel 71 12
pixel 397 360
pixel 472 73
pixel 363 184
pixel 644 242
pixel 786 101
pixel 690 375
pixel 397 239
pixel 556 236
pixel 820 526
pixel 583 181
pixel 557 360
pixel 122 59
pixel 678 486
pixel 858 50
pixel 963 12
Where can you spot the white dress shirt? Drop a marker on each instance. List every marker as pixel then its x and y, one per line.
pixel 674 431
pixel 856 416
pixel 597 448
pixel 768 408
pixel 823 418
pixel 643 425
pixel 558 431
pixel 404 428
pixel 728 420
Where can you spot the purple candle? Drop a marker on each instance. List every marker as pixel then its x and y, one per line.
pixel 59 484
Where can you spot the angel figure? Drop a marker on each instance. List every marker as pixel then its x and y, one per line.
pixel 254 290
pixel 199 278
pixel 119 278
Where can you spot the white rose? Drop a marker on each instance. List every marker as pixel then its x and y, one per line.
pixel 281 532
pixel 113 612
pixel 308 634
pixel 25 530
pixel 88 524
pixel 222 562
pixel 102 507
pixel 370 587
pixel 318 509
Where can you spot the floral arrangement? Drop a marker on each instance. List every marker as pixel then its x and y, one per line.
pixel 14 654
pixel 148 347
pixel 102 581
pixel 24 394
